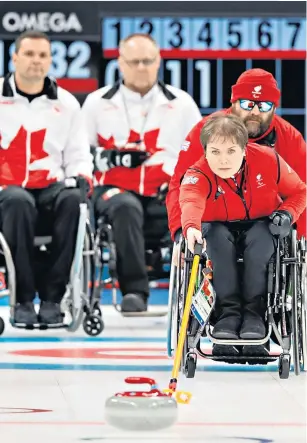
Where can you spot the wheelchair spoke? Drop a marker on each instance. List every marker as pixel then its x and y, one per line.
pixel 295 306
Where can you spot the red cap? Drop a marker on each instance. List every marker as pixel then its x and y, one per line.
pixel 256 84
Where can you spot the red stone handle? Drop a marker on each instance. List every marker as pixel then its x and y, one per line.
pixel 154 391
pixel 141 381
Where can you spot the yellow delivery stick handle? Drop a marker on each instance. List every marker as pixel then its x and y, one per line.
pixel 187 309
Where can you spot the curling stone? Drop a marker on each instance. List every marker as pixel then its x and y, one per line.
pixel 141 410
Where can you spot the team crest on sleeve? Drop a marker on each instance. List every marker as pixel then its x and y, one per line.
pixel 190 180
pixel 185 145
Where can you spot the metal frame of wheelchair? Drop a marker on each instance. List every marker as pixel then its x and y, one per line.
pixel 80 297
pixel 105 242
pixel 287 269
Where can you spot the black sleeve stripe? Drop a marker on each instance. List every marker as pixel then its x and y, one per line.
pixel 201 172
pixel 278 166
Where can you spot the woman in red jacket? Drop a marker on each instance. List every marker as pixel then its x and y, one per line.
pixel 238 181
pixel 258 112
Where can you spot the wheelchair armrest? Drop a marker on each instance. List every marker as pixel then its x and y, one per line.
pixel 42 240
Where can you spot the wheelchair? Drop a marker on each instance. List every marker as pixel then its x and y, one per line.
pixel 80 303
pixel 285 315
pixel 157 261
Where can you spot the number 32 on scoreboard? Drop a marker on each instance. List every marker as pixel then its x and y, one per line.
pixel 68 59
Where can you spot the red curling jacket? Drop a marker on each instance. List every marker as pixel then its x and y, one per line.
pixel 267 183
pixel 281 135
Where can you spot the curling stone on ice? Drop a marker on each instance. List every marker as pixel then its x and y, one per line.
pixel 141 410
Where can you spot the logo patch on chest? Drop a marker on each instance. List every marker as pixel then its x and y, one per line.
pixel 259 180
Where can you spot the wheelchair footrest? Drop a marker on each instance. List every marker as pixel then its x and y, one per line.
pixel 41 326
pixel 244 360
pixel 144 314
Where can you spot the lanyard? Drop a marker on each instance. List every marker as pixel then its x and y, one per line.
pixel 239 191
pixel 239 187
pixel 145 119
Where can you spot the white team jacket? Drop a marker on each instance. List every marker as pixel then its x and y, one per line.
pixel 160 121
pixel 43 141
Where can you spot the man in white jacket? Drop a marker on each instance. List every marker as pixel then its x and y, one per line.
pixel 42 142
pixel 136 127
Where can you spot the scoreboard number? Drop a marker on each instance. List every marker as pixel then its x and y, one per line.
pixel 195 33
pixel 176 71
pixel 296 27
pixel 68 60
pixel 235 35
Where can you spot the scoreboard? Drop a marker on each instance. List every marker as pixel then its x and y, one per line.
pixel 193 34
pixel 205 55
pixel 74 63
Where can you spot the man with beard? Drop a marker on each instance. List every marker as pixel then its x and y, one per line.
pixel 254 99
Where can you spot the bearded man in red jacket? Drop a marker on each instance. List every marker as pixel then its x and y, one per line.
pixel 254 99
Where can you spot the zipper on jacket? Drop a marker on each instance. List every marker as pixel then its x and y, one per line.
pixel 240 191
pixel 28 156
pixel 240 194
pixel 142 178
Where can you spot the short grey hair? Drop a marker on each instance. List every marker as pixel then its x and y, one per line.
pixel 227 126
pixel 137 34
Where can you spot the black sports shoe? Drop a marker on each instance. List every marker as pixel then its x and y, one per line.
pixel 226 351
pixel 253 328
pixel 227 328
pixel 25 313
pixel 50 313
pixel 134 303
pixel 256 350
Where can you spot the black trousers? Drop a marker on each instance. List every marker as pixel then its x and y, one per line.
pixel 133 218
pixel 239 293
pixel 25 213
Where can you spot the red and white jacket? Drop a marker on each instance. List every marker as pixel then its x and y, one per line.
pixel 118 117
pixel 269 184
pixel 42 141
pixel 281 135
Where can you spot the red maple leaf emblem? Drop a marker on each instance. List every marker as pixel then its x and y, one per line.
pixel 38 178
pixel 134 137
pixel 150 140
pixel 106 143
pixel 13 161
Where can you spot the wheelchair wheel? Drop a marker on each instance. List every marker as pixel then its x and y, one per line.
pixel 79 287
pixel 190 365
pixel 172 316
pixel 302 321
pixel 93 325
pixel 2 325
pixel 173 310
pixel 298 307
pixel 284 366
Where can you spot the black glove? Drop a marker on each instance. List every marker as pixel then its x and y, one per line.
pixel 110 158
pixel 281 223
pixel 162 192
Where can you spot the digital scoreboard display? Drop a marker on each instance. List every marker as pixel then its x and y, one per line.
pixel 205 55
pixel 201 55
pixel 74 63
